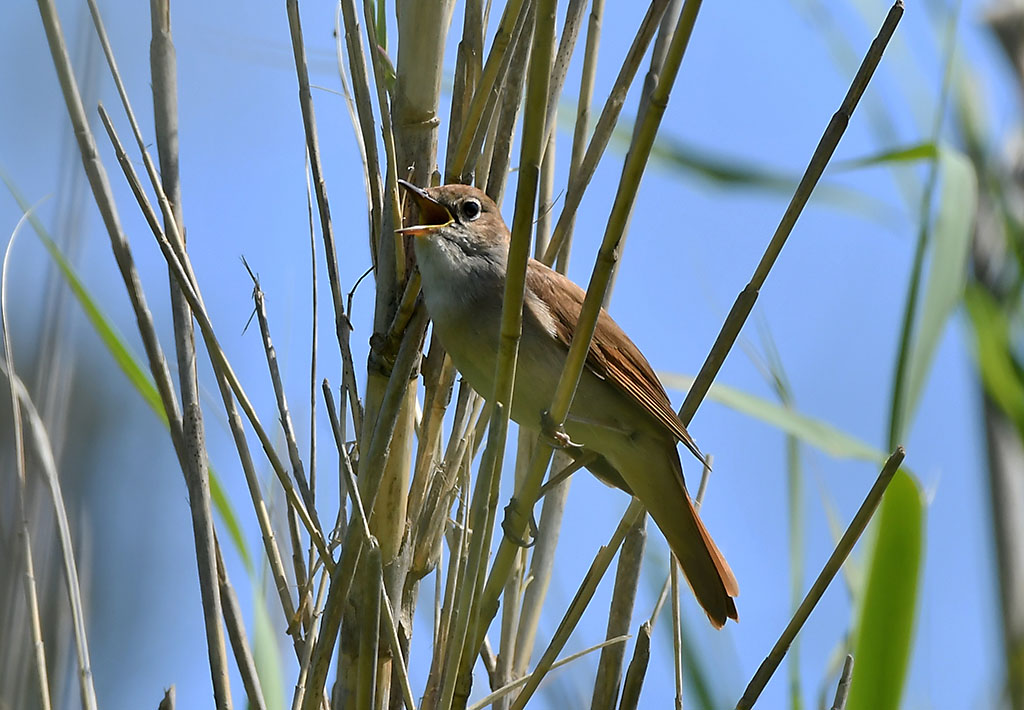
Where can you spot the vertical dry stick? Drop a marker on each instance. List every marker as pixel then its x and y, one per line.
pixel 234 621
pixel 468 65
pixel 554 502
pixel 579 602
pixel 843 690
pixel 197 477
pixel 45 455
pixel 31 594
pixel 508 114
pixel 582 128
pixel 822 154
pixel 634 680
pixel 369 631
pixel 364 111
pixel 194 460
pixel 490 82
pixel 165 115
pixel 605 125
pixel 828 572
pixel 371 470
pixel 524 498
pixel 677 633
pixel 341 323
pixel 511 320
pixel 566 47
pixel 314 303
pixel 620 613
pixel 665 30
pixel 628 573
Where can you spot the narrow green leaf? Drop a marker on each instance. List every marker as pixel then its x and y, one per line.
pixel 883 637
pixel 1000 372
pixel 129 363
pixel 903 154
pixel 950 246
pixel 265 652
pixel 811 431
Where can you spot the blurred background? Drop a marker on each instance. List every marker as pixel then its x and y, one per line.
pixel 757 87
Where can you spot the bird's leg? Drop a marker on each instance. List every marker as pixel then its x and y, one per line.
pixel 514 508
pixel 582 461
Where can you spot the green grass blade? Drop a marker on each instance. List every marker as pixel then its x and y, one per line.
pixel 883 637
pixel 265 651
pixel 903 154
pixel 126 360
pixel 950 247
pixel 811 431
pixel 1000 373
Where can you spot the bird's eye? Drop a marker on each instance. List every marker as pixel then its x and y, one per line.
pixel 471 209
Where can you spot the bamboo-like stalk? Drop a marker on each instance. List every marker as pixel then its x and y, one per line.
pixel 360 75
pixel 342 327
pixel 582 127
pixel 284 415
pixel 620 614
pixel 234 622
pixel 822 154
pixel 541 57
pixel 580 601
pixel 843 689
pixel 194 464
pixel 516 520
pixel 369 631
pixel 506 690
pixel 371 471
pixel 677 633
pixel 364 527
pixel 182 269
pixel 627 578
pixel 29 579
pixel 506 116
pixel 560 67
pixel 634 680
pixel 661 43
pixel 44 454
pixel 498 61
pixel 824 579
pixel 605 125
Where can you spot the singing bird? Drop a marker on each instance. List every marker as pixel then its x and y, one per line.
pixel 620 412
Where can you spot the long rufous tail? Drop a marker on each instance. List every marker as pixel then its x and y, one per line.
pixel 703 564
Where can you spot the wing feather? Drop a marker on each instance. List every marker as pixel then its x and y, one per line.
pixel 613 356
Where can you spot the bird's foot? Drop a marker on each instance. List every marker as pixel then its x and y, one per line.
pixel 556 434
pixel 513 523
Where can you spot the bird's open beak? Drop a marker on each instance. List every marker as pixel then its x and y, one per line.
pixel 433 215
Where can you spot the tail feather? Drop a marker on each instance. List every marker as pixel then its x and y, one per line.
pixel 703 564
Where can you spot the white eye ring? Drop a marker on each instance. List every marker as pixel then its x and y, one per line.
pixel 471 209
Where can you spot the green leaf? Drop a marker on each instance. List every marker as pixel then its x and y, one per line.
pixel 904 154
pixel 265 652
pixel 129 363
pixel 811 431
pixel 950 247
pixel 1000 372
pixel 883 637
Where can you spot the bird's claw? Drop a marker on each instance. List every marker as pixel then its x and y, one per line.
pixel 556 434
pixel 512 511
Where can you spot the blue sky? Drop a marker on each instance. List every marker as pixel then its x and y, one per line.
pixel 758 84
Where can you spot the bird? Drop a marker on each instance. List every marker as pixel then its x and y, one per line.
pixel 621 414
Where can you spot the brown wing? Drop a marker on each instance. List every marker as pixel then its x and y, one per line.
pixel 613 356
